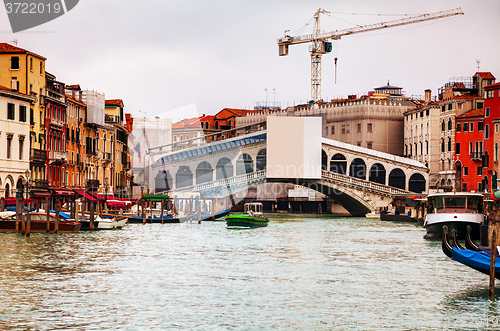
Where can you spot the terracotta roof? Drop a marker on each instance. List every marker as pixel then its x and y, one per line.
pixel 237 112
pixel 459 86
pixel 73 87
pixel 114 102
pixel 75 100
pixel 193 122
pixel 485 75
pixel 472 113
pixel 6 48
pixel 492 86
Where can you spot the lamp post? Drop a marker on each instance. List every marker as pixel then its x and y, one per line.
pixel 106 185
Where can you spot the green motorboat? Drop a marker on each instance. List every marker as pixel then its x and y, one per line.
pixel 252 217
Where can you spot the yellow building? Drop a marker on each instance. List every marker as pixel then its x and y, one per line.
pixel 115 116
pixel 24 71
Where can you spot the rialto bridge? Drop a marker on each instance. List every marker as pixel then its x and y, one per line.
pixel 359 179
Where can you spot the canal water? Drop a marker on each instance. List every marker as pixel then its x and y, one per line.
pixel 299 273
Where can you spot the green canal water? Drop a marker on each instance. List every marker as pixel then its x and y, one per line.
pixel 299 273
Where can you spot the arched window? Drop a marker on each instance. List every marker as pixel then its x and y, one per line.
pixel 224 169
pixel 442 125
pixel 450 124
pixel 487 131
pixel 496 152
pixel 204 173
pixel 338 164
pixel 244 164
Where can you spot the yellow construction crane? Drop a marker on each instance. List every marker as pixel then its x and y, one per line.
pixel 320 44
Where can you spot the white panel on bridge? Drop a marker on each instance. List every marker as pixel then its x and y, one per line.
pixel 293 147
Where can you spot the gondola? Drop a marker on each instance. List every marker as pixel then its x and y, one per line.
pixel 445 246
pixel 477 260
pixel 455 241
pixel 469 243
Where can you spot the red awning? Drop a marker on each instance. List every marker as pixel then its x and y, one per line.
pixel 86 195
pixel 11 201
pixel 116 204
pixel 63 192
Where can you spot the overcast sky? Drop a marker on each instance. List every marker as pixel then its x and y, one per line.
pixel 159 55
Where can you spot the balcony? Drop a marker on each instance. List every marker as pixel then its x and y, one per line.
pixel 38 154
pixel 58 156
pixel 112 119
pixel 56 122
pixel 106 157
pixel 476 156
pixel 40 184
pixel 126 166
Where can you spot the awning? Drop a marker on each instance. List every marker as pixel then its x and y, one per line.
pixel 63 192
pixel 11 201
pixel 115 204
pixel 86 195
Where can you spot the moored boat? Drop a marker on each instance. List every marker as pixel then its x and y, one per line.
pixel 253 217
pixel 456 210
pixel 39 223
pixel 405 208
pixel 373 215
pixel 111 223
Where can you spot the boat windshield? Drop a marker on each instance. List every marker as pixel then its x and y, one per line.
pixel 465 203
pixel 454 202
pixel 256 208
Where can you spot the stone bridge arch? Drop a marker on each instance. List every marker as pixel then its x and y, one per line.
pixel 353 201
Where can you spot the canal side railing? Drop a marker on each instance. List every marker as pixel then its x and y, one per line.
pixel 361 183
pixel 240 181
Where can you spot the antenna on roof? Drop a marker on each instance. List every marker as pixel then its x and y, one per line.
pixel 478 62
pixel 14 42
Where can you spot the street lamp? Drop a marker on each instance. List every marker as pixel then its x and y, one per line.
pixel 27 181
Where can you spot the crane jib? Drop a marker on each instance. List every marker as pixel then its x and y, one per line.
pixel 321 46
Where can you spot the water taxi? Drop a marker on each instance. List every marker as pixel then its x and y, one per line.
pixel 253 217
pixel 456 210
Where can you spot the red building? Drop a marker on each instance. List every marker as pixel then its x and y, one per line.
pixel 55 129
pixel 469 150
pixel 491 112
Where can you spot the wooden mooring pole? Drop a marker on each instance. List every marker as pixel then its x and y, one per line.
pixel 162 209
pixel 492 265
pixel 47 211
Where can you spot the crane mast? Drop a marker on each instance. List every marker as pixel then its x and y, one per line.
pixel 320 45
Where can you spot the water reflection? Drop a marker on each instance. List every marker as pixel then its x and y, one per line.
pixel 297 273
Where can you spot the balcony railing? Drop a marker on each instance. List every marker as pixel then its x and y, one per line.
pixel 106 156
pixel 56 122
pixel 112 119
pixel 58 155
pixel 476 156
pixel 38 154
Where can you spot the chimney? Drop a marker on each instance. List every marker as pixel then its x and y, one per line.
pixel 80 95
pixel 427 96
pixel 73 93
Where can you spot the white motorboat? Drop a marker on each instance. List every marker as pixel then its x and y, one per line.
pixel 456 210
